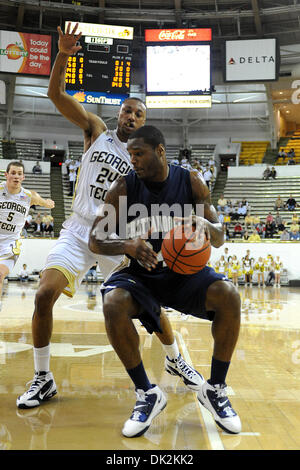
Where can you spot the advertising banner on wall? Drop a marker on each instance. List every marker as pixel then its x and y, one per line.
pixel 251 60
pixel 25 53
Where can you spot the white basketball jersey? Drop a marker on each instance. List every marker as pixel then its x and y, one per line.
pixel 104 162
pixel 14 209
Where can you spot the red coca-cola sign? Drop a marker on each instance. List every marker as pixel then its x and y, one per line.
pixel 170 35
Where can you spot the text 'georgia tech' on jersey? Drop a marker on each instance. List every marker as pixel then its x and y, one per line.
pixel 103 163
pixel 14 209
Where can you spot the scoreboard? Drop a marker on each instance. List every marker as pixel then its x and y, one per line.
pixel 101 69
pixel 178 68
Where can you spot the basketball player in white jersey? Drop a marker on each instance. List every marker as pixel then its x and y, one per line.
pixel 15 202
pixel 105 159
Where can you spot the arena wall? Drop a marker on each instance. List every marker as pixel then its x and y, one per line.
pixel 34 253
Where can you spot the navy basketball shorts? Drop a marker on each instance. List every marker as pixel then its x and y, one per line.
pixel 185 293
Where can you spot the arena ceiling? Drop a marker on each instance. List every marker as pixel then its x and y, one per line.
pixel 229 19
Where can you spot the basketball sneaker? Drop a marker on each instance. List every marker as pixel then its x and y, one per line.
pixel 191 378
pixel 215 400
pixel 148 405
pixel 42 388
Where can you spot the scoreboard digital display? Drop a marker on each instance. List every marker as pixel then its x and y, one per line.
pixel 178 68
pixel 100 72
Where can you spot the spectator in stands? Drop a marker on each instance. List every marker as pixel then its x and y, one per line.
pixel 246 236
pixel 281 154
pixel 291 161
pixel 295 235
pixel 273 173
pixel 37 169
pixel 72 177
pixel 290 204
pixel 221 217
pixel 28 224
pixel 261 229
pixel 256 220
pixel 48 230
pixel 211 162
pixel 37 225
pixel 242 209
pixel 285 235
pixel 279 224
pixel 279 204
pixel 270 229
pixel 238 230
pixel 47 219
pixel 269 218
pixel 226 232
pixel 67 163
pixel 291 153
pixel 228 208
pixel 77 165
pixel 24 274
pixel 295 218
pixel 227 220
pixel 235 214
pixel 207 175
pixel 48 225
pixel 244 202
pixel 267 173
pixel 222 203
pixel 294 227
pixel 186 164
pixel 254 237
pixel 249 220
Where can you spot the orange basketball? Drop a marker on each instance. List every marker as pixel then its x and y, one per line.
pixel 183 252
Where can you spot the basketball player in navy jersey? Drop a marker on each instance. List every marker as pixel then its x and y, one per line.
pixel 104 160
pixel 139 290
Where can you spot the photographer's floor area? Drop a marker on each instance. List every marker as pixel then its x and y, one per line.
pixel 95 396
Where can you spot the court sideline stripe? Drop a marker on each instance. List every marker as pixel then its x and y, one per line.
pixel 210 426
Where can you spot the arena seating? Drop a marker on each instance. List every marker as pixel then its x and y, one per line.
pixel 29 149
pixel 204 152
pixel 75 149
pixel 252 152
pixel 261 195
pixel 9 149
pixel 21 149
pixel 293 143
pixel 172 152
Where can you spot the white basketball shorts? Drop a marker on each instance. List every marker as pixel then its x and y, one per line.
pixel 72 256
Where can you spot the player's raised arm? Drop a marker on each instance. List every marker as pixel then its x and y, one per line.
pixel 202 198
pixel 68 106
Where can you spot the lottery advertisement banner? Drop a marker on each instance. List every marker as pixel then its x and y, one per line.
pixel 25 53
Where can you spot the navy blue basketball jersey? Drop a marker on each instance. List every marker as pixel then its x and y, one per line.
pixel 154 206
pixel 160 286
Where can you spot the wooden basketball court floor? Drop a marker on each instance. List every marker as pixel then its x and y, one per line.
pixel 95 395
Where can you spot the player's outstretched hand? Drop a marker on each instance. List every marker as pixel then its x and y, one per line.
pixel 49 203
pixel 67 42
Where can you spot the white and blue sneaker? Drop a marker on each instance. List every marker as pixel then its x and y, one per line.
pixel 148 405
pixel 191 378
pixel 215 400
pixel 42 388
